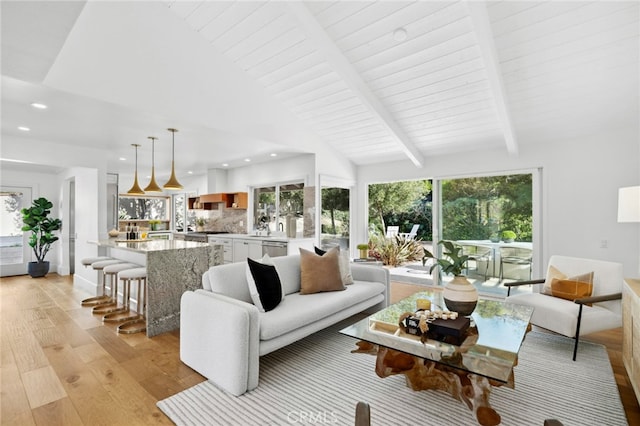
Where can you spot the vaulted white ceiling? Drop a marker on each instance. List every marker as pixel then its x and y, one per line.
pixel 376 81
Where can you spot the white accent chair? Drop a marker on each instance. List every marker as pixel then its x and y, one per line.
pixel 570 318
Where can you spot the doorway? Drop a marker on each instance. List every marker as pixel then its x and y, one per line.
pixel 72 226
pixel 15 252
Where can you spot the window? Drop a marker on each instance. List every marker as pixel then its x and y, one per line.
pixel 492 214
pixel 335 218
pixel 143 208
pixel 279 208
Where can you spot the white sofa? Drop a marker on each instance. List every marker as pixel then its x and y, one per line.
pixel 223 334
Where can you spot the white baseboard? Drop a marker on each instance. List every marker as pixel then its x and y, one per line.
pixel 84 284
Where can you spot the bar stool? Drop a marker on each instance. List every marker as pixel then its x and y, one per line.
pixel 103 298
pixel 87 261
pixel 138 322
pixel 111 272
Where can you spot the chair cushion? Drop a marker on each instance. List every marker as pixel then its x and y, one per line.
pixel 264 284
pixel 319 273
pixel 561 315
pixel 298 310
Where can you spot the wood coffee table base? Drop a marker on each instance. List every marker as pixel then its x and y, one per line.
pixel 422 374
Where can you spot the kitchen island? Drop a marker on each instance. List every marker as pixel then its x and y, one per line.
pixel 173 267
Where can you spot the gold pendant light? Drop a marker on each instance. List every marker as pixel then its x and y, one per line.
pixel 135 189
pixel 153 185
pixel 172 183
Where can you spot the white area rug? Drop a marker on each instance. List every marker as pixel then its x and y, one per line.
pixel 318 381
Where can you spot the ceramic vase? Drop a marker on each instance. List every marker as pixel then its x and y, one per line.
pixel 460 295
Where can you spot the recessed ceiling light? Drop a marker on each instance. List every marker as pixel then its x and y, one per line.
pixel 225 164
pixel 38 105
pixel 23 128
pixel 273 154
pixel 122 159
pixel 190 172
pixel 247 159
pixel 400 34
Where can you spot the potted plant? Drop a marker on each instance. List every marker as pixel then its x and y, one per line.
pixel 200 223
pixel 36 219
pixel 364 250
pixel 508 236
pixel 459 294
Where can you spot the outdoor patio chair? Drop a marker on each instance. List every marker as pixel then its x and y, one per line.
pixel 477 254
pixel 411 234
pixel 515 256
pixel 392 231
pixel 556 309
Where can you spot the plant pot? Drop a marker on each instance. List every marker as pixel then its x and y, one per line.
pixel 199 228
pixel 38 269
pixel 364 253
pixel 460 295
pixel 509 240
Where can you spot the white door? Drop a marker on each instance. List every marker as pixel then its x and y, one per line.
pixel 15 252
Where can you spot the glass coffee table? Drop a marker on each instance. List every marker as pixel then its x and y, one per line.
pixel 485 357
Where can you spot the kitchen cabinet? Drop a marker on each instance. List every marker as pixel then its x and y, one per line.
pixel 237 200
pixel 227 246
pixel 243 248
pixel 232 200
pixel 213 198
pixel 195 203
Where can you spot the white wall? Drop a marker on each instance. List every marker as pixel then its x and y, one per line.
pixel 580 181
pixel 294 168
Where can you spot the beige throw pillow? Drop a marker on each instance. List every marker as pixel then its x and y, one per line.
pixel 552 273
pixel 558 284
pixel 319 273
pixel 345 263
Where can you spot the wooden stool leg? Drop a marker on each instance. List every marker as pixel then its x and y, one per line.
pixel 98 300
pixel 112 303
pixel 125 314
pixel 140 324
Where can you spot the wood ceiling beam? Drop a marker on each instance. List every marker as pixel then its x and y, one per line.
pixel 482 29
pixel 352 78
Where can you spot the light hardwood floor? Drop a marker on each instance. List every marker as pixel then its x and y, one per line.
pixel 60 366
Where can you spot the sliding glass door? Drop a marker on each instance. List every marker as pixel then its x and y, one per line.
pixel 491 217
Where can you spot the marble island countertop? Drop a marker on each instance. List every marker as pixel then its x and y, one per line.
pixel 272 237
pixel 148 245
pixel 173 267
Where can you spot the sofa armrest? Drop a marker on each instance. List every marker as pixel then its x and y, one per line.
pixel 372 273
pixel 219 338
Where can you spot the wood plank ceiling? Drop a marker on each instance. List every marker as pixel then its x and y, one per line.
pixel 383 81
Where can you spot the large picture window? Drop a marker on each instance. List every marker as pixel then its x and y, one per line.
pixel 279 208
pixel 490 217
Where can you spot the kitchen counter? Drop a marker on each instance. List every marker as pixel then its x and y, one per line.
pixel 173 267
pixel 148 245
